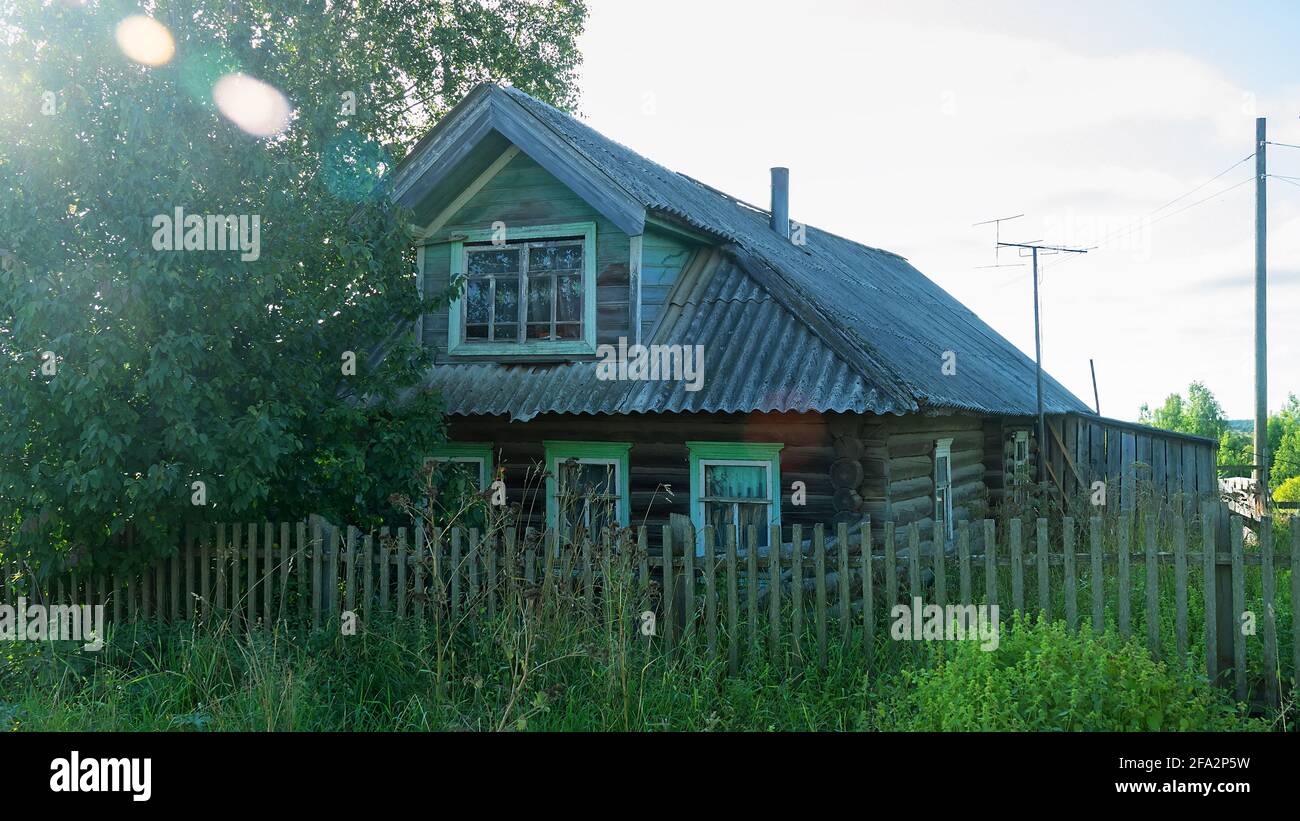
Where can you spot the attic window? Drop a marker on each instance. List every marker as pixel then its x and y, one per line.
pixel 532 291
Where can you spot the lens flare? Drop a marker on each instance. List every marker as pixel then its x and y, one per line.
pixel 145 40
pixel 258 108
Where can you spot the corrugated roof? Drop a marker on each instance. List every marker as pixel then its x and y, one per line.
pixel 757 356
pixel 829 325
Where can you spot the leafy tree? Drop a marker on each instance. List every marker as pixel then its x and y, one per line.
pixel 1288 490
pixel 131 372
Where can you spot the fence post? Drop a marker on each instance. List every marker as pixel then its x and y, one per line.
pixel 1238 607
pixel 1268 585
pixel 1225 620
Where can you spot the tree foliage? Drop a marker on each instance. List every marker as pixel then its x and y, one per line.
pixel 130 373
pixel 1201 414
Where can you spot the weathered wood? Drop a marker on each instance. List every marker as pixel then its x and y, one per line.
pixel 286 549
pixel 1295 598
pixel 1180 590
pixel 940 565
pixel 236 565
pixel 188 559
pixel 1152 586
pixel 868 598
pixel 1268 588
pixel 222 557
pixel 350 572
pixel 303 583
pixel 709 564
pixel 1044 586
pixel 913 562
pixel 205 565
pixel 418 563
pixel 891 570
pixel 963 562
pixel 668 573
pixel 1125 591
pixel 588 580
pixel 368 575
pixel 385 571
pixel 842 580
pixel 796 587
pixel 401 572
pixel 819 585
pixel 1067 570
pixel 1208 566
pixel 268 567
pixel 688 588
pixel 453 572
pixel 332 556
pixel 990 562
pixel 317 584
pixel 751 585
pixel 1017 567
pixel 774 591
pixel 490 571
pixel 1238 608
pixel 733 605
pixel 471 570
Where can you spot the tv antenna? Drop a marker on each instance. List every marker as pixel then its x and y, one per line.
pixel 997 242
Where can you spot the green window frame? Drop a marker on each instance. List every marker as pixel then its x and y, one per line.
pixel 614 454
pixel 704 455
pixel 525 237
pixel 466 453
pixel 943 514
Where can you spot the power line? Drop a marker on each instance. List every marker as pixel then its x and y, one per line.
pixel 1140 224
pixel 1284 145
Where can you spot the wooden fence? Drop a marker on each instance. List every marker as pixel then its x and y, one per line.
pixel 734 598
pixel 1169 466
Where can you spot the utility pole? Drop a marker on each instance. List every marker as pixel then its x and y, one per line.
pixel 1260 471
pixel 1038 345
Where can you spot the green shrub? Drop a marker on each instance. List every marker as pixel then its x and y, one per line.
pixel 1043 676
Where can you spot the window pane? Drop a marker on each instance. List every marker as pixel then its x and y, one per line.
pixel 941 470
pixel 582 478
pixel 476 302
pixel 569 307
pixel 735 481
pixel 539 300
pixel 719 516
pixel 555 258
pixel 492 261
pixel 507 309
pixel 476 332
pixel 756 515
pixel 570 331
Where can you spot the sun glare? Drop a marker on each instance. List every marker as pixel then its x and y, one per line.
pixel 255 106
pixel 145 40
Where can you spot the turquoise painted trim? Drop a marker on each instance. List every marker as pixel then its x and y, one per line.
pixel 473 450
pixel 700 452
pixel 558 451
pixel 586 346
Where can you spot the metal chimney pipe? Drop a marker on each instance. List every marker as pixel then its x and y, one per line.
pixel 781 201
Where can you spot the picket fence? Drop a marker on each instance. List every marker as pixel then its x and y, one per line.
pixel 723 597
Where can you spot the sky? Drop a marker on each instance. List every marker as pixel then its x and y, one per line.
pixel 904 123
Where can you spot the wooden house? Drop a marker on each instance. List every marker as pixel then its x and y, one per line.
pixel 837 381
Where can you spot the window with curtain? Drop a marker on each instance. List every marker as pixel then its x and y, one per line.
pixel 588 495
pixel 737 495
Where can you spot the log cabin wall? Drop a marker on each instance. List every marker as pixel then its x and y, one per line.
pixel 659 457
pixel 910 445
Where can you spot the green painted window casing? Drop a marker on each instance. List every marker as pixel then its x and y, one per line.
pixel 465 451
pixel 768 453
pixel 558 451
pixel 456 346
